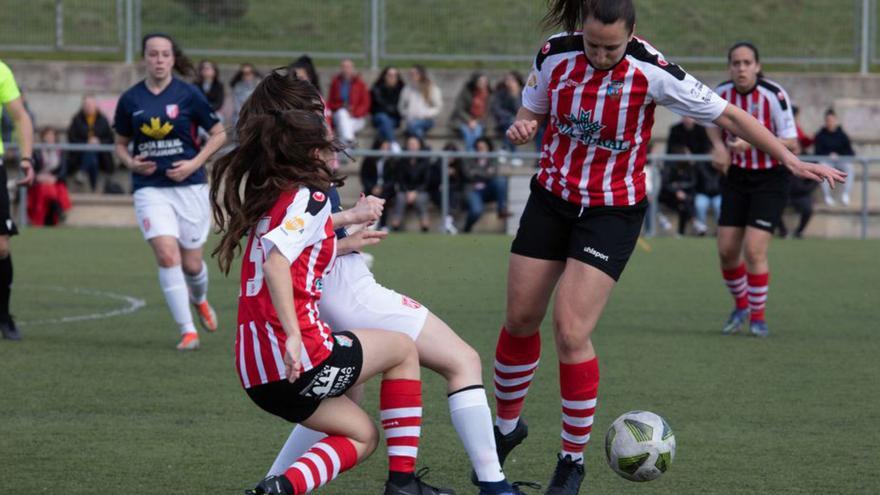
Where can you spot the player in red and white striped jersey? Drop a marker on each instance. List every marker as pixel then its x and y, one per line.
pixel 755 192
pixel 595 88
pixel 272 189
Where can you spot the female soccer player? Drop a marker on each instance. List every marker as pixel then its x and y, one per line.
pixel 160 116
pixel 288 360
pixel 598 86
pixel 756 190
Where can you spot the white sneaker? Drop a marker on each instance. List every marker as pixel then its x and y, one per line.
pixel 449 225
pixel 829 201
pixel 844 198
pixel 517 162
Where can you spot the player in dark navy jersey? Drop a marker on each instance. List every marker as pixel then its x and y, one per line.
pixel 160 118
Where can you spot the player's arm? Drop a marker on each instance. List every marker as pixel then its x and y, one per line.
pixel 367 210
pixel 25 128
pixel 184 168
pixel 359 240
pixel 738 122
pixel 276 273
pixel 137 164
pixel 525 126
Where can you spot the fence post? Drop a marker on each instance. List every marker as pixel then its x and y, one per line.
pixel 374 35
pixel 866 37
pixel 59 25
pixel 22 206
pixel 129 31
pixel 444 191
pixel 865 179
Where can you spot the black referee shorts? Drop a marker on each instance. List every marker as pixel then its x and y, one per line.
pixel 297 401
pixel 7 226
pixel 603 237
pixel 754 198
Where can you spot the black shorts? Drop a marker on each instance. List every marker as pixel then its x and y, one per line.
pixel 296 401
pixel 603 237
pixel 754 198
pixel 7 226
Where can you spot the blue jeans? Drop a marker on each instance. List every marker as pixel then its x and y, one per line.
pixel 702 202
pixel 470 136
pixel 419 127
pixel 495 190
pixel 89 165
pixel 386 125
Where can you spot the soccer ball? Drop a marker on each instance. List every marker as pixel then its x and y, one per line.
pixel 640 446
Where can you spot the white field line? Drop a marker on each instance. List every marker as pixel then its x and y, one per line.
pixel 132 304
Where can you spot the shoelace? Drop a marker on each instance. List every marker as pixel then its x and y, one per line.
pixel 527 484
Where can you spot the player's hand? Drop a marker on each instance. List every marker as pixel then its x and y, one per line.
pixel 27 169
pixel 720 158
pixel 817 172
pixel 368 210
pixel 522 131
pixel 179 171
pixel 738 145
pixel 141 166
pixel 292 350
pixel 359 240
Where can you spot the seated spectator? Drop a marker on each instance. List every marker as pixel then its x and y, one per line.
pixel 90 126
pixel 483 185
pixel 677 188
pixel 243 84
pixel 304 69
pixel 471 110
pixel 800 197
pixel 377 176
pixel 456 187
pixel 48 197
pixel 420 103
pixel 385 101
pixel 349 101
pixel 411 186
pixel 831 141
pixel 691 139
pixel 505 103
pixel 208 80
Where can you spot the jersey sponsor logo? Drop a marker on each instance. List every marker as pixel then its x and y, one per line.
pixel 583 128
pixel 781 96
pixel 546 49
pixel 411 303
pixel 295 223
pixel 662 62
pixel 172 111
pixel 157 129
pixel 597 254
pixel 329 382
pixel 319 196
pixel 343 340
pixel 533 80
pixel 615 89
pixel 702 92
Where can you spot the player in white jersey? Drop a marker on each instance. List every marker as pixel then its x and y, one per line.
pixel 595 88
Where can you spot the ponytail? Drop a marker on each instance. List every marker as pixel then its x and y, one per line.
pixel 571 14
pixel 182 64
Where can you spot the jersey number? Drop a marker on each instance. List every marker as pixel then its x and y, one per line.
pixel 255 284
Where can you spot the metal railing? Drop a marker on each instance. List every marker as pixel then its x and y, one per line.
pixel 379 31
pixel 655 161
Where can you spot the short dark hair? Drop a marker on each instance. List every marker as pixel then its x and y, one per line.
pixel 571 14
pixel 830 112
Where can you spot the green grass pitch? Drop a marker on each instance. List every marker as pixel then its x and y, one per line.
pixel 108 405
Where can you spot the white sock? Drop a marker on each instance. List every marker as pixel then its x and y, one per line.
pixel 577 457
pixel 176 295
pixel 301 439
pixel 473 421
pixel 198 285
pixel 505 426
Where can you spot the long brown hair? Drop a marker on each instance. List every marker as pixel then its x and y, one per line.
pixel 571 14
pixel 280 130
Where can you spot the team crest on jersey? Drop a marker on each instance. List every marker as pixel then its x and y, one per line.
pixel 319 196
pixel 411 303
pixel 343 341
pixel 172 111
pixel 615 89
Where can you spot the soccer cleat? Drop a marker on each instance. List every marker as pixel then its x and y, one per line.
pixel 567 477
pixel 514 489
pixel 272 485
pixel 759 328
pixel 189 342
pixel 207 316
pixel 416 486
pixel 504 444
pixel 735 322
pixel 9 330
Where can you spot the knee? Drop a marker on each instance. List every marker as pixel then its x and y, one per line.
pixel 755 255
pixel 366 441
pixel 167 258
pixel 728 254
pixel 522 322
pixel 192 265
pixel 467 363
pixel 572 338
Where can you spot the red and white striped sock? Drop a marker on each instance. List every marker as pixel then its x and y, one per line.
pixel 400 404
pixel 759 285
pixel 579 384
pixel 516 359
pixel 321 464
pixel 737 285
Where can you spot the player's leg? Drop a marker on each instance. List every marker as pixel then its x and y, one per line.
pixel 756 243
pixel 7 326
pixel 735 206
pixel 193 210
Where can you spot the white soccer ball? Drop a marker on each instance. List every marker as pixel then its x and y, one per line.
pixel 640 446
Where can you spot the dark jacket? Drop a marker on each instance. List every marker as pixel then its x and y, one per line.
pixel 503 107
pixel 78 132
pixel 215 94
pixel 695 140
pixel 835 141
pixel 60 173
pixel 478 170
pixel 707 179
pixel 461 112
pixel 677 176
pixel 384 100
pixel 370 175
pixel 411 174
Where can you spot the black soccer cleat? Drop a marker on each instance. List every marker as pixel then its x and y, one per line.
pixel 416 486
pixel 272 485
pixel 567 477
pixel 9 330
pixel 504 444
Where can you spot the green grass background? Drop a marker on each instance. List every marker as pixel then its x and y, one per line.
pixel 108 406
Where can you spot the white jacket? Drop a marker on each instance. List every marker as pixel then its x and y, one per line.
pixel 414 107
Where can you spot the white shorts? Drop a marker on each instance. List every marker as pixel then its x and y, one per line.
pixel 352 299
pixel 182 212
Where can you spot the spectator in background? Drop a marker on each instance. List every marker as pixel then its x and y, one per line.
pixel 800 191
pixel 483 185
pixel 691 139
pixel 411 186
pixel 677 187
pixel 243 84
pixel 304 69
pixel 456 187
pixel 805 141
pixel 471 110
pixel 90 126
pixel 831 141
pixel 377 176
pixel 349 100
pixel 48 197
pixel 420 102
pixel 385 101
pixel 505 103
pixel 208 80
